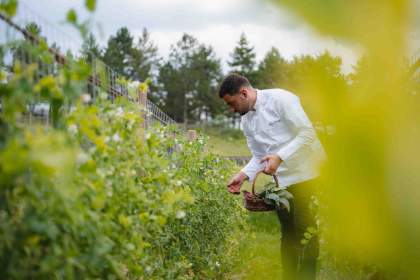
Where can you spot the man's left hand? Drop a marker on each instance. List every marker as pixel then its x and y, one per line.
pixel 273 162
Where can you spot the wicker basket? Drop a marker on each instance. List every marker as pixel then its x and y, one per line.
pixel 253 202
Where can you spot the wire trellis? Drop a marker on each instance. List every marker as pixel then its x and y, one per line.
pixel 102 79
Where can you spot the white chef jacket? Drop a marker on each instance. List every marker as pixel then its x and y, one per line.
pixel 278 125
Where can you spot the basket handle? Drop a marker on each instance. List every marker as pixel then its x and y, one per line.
pixel 255 180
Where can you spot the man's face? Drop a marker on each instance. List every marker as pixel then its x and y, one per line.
pixel 238 103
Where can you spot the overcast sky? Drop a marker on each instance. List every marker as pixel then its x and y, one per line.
pixel 215 22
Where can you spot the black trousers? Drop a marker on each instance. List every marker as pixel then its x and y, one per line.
pixel 299 260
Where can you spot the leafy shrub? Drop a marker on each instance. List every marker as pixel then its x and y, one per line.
pixel 97 196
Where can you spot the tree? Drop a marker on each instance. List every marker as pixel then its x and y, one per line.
pixel 90 48
pixel 243 62
pixel 319 82
pixel 272 71
pixel 243 59
pixel 175 79
pixel 146 63
pixel 119 52
pixel 23 50
pixel 207 74
pixel 188 80
pixel 145 57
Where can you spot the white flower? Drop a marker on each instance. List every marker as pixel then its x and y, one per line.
pixel 82 158
pixel 180 214
pixel 217 264
pixel 85 98
pixel 130 247
pixel 178 183
pixel 72 129
pixel 111 171
pixel 119 112
pixel 101 172
pixel 92 150
pixel 116 137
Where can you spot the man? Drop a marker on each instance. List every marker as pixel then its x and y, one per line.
pixel 283 142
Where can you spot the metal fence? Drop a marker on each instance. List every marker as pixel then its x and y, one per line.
pixel 16 32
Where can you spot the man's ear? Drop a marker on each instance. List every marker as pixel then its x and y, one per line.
pixel 243 92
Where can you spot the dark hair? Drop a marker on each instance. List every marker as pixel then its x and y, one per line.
pixel 232 83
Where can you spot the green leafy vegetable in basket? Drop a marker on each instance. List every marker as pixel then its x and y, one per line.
pixel 274 195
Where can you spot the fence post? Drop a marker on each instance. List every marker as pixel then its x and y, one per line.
pixel 142 95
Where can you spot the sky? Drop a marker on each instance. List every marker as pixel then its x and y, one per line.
pixel 218 23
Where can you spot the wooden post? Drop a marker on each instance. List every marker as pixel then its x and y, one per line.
pixel 192 135
pixel 143 103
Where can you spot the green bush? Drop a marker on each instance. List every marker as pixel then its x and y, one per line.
pixel 97 196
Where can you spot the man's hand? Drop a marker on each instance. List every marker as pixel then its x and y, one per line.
pixel 273 162
pixel 234 185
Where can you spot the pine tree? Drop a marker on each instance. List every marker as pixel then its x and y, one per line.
pixel 272 71
pixel 119 52
pixel 145 58
pixel 243 59
pixel 189 79
pixel 90 48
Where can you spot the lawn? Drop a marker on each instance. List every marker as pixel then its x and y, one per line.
pixel 259 256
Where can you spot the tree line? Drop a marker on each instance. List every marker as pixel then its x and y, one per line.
pixel 184 84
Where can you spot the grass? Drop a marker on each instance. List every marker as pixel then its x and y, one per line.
pixel 226 142
pixel 259 256
pixel 228 147
pixel 260 249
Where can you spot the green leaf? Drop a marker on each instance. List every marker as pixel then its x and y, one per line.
pixel 273 196
pixel 311 230
pixel 286 194
pixel 71 16
pixel 9 7
pixel 268 201
pixel 90 5
pixel 285 203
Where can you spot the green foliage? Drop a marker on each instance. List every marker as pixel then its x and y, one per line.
pixel 243 59
pixel 71 16
pixel 145 58
pixel 90 48
pixel 96 196
pixel 272 71
pixel 9 7
pixel 119 52
pixel 189 79
pixel 371 153
pixel 90 5
pixel 274 195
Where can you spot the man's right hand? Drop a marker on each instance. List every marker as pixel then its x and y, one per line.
pixel 234 185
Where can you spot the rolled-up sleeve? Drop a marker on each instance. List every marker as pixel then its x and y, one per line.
pixel 252 167
pixel 292 112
